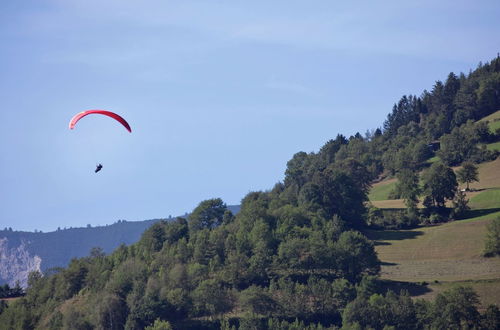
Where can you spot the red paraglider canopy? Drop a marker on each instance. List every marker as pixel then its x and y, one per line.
pixel 113 115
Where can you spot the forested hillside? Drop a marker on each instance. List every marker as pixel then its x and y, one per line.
pixel 57 248
pixel 294 257
pixel 29 251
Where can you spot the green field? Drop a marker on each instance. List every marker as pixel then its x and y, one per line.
pixel 489 198
pixel 493 146
pixel 432 259
pixel 450 253
pixel 380 191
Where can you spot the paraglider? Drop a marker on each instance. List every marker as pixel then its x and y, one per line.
pixel 113 115
pixel 98 168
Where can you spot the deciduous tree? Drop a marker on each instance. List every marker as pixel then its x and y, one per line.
pixel 440 184
pixel 468 174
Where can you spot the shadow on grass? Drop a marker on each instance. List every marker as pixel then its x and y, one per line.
pixel 414 289
pixel 479 213
pixel 385 263
pixel 377 243
pixel 391 235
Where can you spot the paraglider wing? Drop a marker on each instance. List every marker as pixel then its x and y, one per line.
pixel 113 115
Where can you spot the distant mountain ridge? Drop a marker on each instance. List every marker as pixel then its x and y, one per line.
pixel 22 252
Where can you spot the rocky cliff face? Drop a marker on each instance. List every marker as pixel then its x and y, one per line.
pixel 16 263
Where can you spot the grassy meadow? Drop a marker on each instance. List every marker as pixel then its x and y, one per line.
pixel 380 191
pixel 493 146
pixel 436 258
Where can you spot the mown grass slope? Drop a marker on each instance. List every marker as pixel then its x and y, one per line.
pixel 380 191
pixel 493 146
pixel 489 198
pixel 452 251
pixel 446 255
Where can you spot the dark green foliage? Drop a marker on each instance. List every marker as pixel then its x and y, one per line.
pixel 462 144
pixel 355 256
pixel 368 286
pixel 492 241
pixel 460 205
pixel 455 309
pixel 392 218
pixel 74 277
pixel 293 325
pixel 296 170
pixel 111 312
pixel 408 188
pixel 452 309
pixel 18 315
pixel 56 321
pixel 208 214
pixel 341 195
pixel 380 311
pixel 211 298
pixel 491 318
pixel 317 297
pixel 7 292
pixel 487 93
pixel 257 300
pixel 357 172
pixel 330 148
pixel 404 112
pixel 468 173
pixel 440 184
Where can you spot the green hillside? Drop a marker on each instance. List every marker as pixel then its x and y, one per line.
pixel 447 255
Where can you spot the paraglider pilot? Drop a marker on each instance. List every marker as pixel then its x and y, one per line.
pixel 98 168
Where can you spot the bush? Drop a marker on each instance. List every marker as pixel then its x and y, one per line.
pixel 436 218
pixel 391 219
pixel 492 242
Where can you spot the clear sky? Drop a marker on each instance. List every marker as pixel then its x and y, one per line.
pixel 219 94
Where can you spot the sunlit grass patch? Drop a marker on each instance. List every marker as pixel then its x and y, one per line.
pixel 487 199
pixel 494 146
pixel 380 191
pixel 494 125
pixel 433 159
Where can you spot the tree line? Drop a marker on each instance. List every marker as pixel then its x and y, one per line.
pixel 8 292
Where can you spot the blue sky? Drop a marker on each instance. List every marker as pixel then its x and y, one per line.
pixel 219 94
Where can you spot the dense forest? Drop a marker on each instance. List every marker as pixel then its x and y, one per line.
pixel 295 256
pixel 57 248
